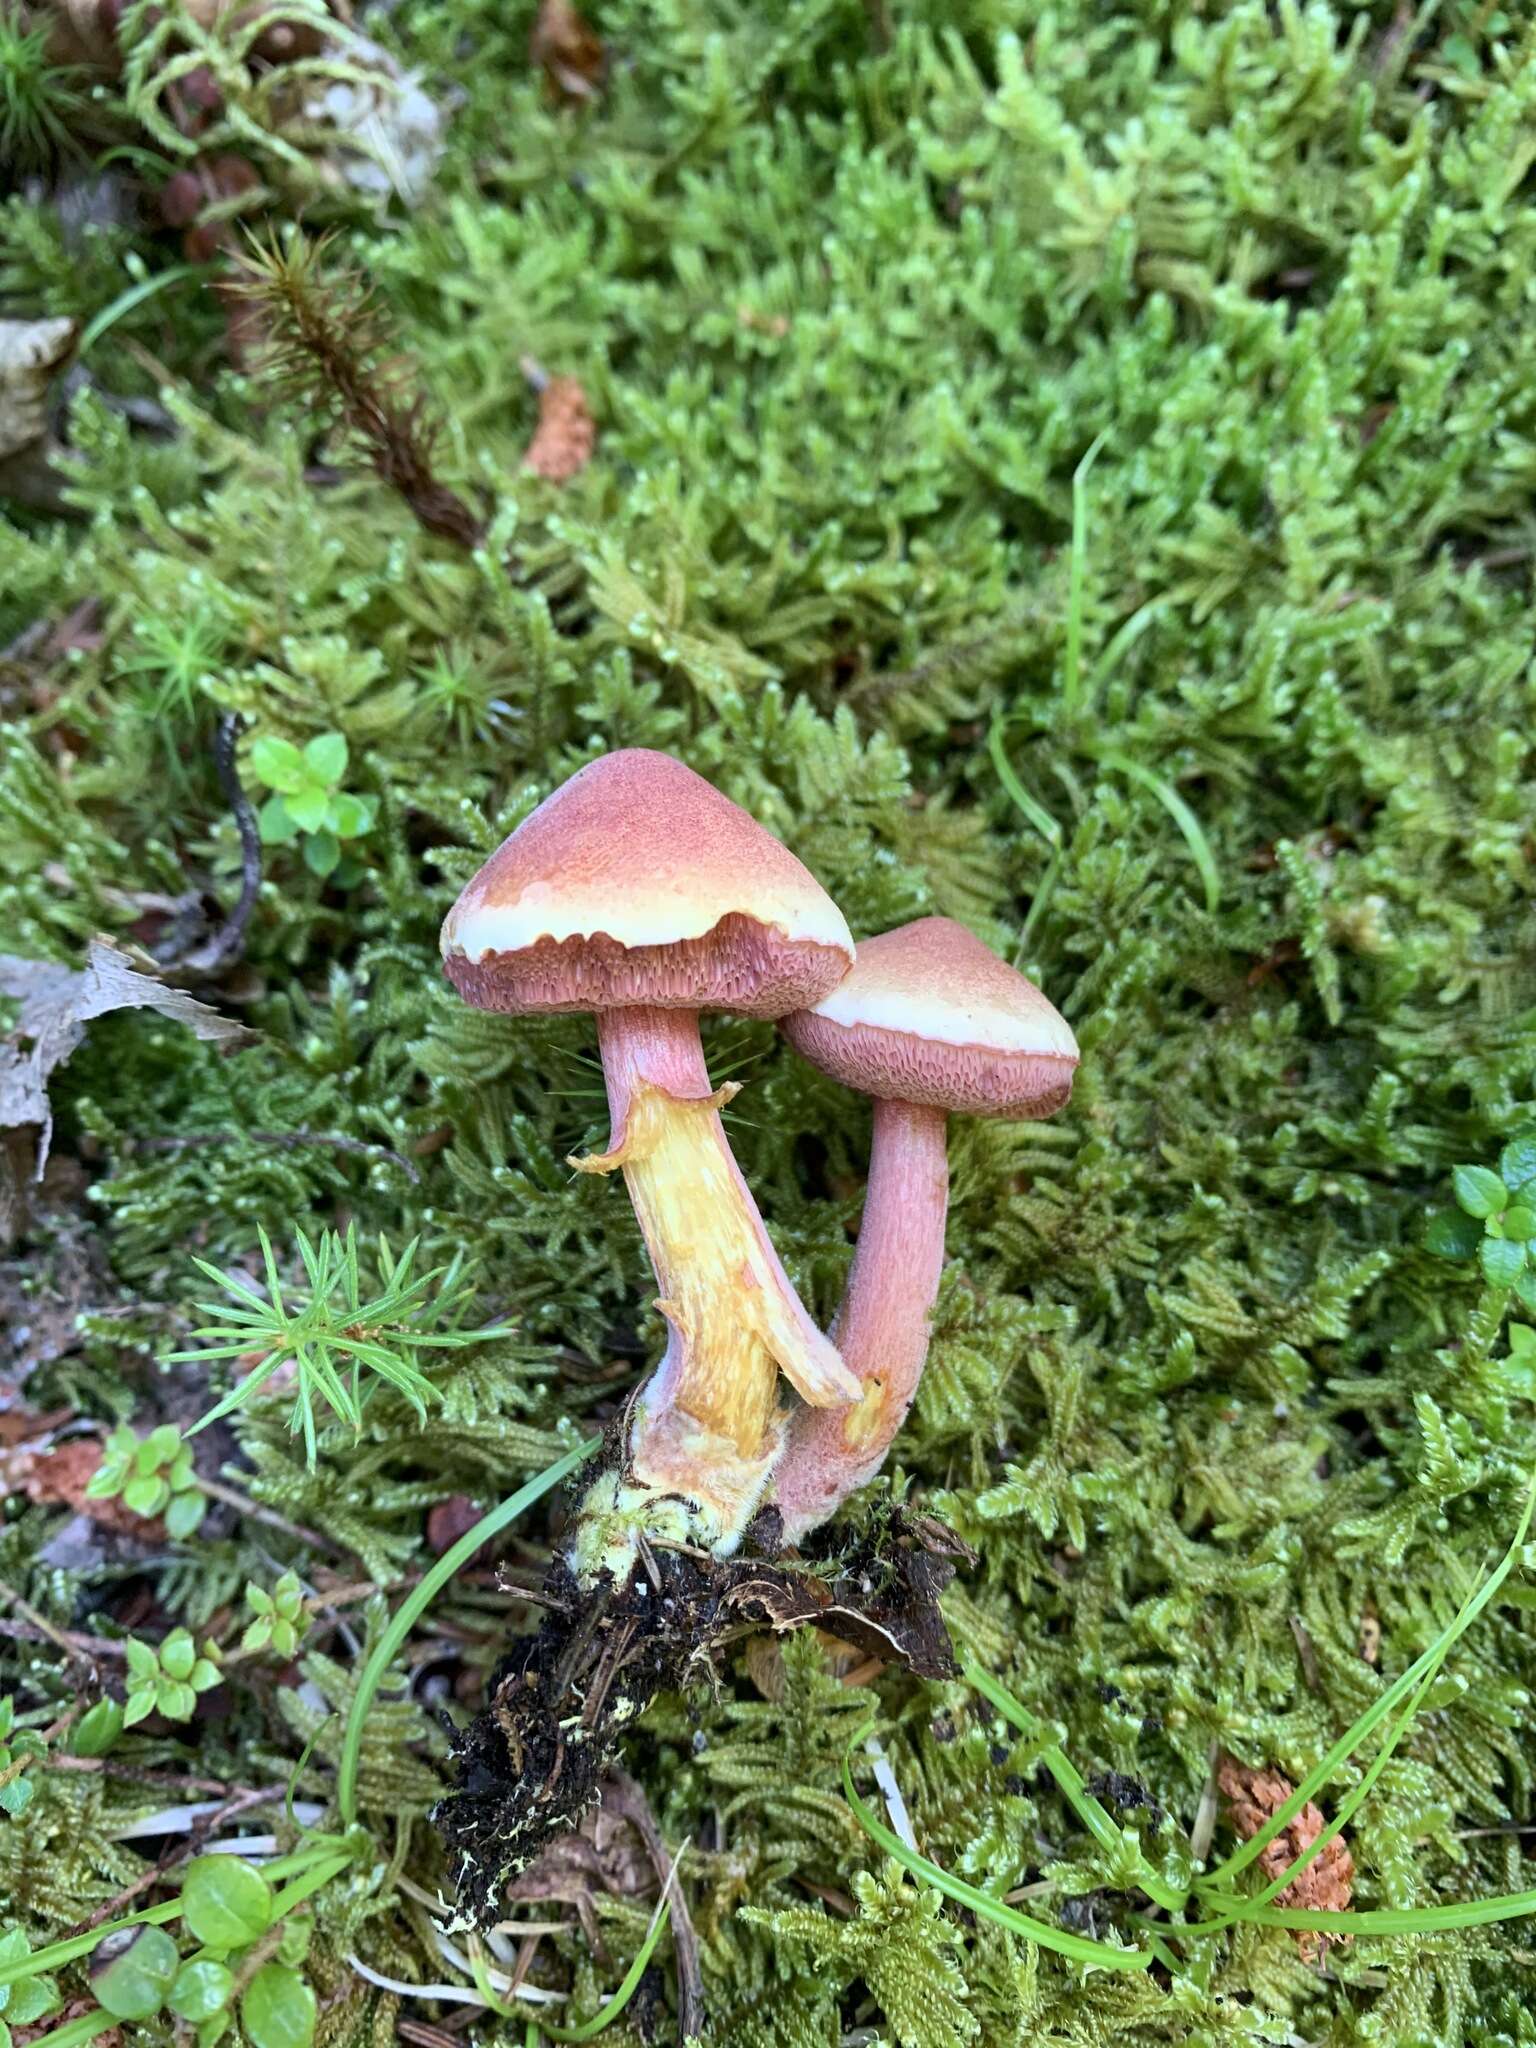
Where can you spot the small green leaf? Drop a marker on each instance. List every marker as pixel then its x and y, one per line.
pixel 276 823
pixel 258 1635
pixel 307 808
pixel 1503 1262
pixel 146 1496
pixel 32 1999
pixel 175 1699
pixel 178 1653
pixel 184 1516
pixel 132 1970
pixel 1525 1290
pixel 141 1704
pixel 142 1661
pixel 278 2009
pixel 1517 1162
pixel 1519 1222
pixel 1479 1192
pixel 225 1901
pixel 278 763
pixel 1453 1234
pixel 202 1988
pixel 321 853
pixel 325 757
pixel 16 1797
pixel 97 1729
pixel 347 816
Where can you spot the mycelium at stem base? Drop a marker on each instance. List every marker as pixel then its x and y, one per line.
pixel 883 1326
pixel 707 1428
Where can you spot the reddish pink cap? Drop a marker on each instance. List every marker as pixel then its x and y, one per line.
pixel 636 883
pixel 931 1015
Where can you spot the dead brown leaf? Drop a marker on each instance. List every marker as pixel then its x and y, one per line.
pixel 563 441
pixel 569 50
pixel 59 1478
pixel 1253 1797
pixel 56 1005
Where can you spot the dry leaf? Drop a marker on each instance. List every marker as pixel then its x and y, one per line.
pixel 1327 1883
pixel 564 438
pixel 56 1005
pixel 58 1478
pixel 31 351
pixel 569 49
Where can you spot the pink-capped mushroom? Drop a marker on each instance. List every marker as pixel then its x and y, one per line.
pixel 929 1022
pixel 641 893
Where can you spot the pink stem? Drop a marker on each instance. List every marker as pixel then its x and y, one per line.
pixel 883 1325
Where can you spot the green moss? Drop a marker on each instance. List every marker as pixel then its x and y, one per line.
pixel 851 311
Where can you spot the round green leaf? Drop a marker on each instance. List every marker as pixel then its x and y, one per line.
pixel 184 1515
pixel 277 762
pixel 307 808
pixel 132 1970
pixel 276 823
pixel 1479 1192
pixel 1453 1234
pixel 1519 1222
pixel 97 1729
pixel 178 1653
pixel 175 1699
pixel 146 1496
pixel 278 2009
pixel 202 1988
pixel 1503 1262
pixel 225 1901
pixel 321 853
pixel 1517 1162
pixel 325 758
pixel 16 1797
pixel 347 815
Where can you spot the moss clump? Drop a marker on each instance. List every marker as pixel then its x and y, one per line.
pixel 852 291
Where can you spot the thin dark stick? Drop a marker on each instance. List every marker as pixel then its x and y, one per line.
pixel 228 942
pixel 623 1795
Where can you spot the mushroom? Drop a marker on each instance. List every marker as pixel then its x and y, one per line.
pixel 639 892
pixel 928 1022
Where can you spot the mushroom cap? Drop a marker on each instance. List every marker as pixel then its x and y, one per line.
pixel 638 884
pixel 930 1015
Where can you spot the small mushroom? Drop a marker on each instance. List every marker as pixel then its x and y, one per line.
pixel 639 892
pixel 928 1022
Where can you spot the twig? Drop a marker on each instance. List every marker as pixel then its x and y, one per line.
pixel 217 1490
pixel 170 1857
pixel 60 1641
pixel 625 1797
pixel 282 1140
pixel 227 943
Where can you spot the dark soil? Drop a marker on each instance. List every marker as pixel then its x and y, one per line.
pixel 531 1763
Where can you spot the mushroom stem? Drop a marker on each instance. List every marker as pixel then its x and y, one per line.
pixel 883 1326
pixel 707 1425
